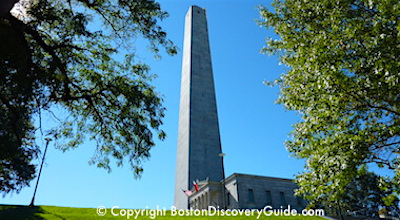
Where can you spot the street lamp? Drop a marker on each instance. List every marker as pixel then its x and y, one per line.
pixel 40 171
pixel 223 180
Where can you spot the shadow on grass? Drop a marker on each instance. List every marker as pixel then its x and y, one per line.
pixel 22 212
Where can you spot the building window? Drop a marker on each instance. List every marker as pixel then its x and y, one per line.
pixel 283 200
pixel 268 198
pixel 299 201
pixel 250 195
pixel 228 199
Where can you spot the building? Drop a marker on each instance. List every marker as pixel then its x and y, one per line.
pixel 243 191
pixel 199 152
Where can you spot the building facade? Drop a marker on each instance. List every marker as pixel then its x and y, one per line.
pixel 243 191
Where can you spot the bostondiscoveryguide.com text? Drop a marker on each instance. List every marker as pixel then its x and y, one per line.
pixel 210 211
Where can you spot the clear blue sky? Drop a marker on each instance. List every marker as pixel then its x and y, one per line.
pixel 253 128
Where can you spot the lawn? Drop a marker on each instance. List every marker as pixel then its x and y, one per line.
pixel 55 212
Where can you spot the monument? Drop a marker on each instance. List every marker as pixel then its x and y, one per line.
pixel 199 145
pixel 199 155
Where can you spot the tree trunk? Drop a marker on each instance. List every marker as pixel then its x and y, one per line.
pixel 340 212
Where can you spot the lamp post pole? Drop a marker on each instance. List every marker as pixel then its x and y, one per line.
pixel 40 171
pixel 223 181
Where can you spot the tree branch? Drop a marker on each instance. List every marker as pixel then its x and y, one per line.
pixel 49 49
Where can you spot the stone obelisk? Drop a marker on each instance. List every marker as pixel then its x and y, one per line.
pixel 199 143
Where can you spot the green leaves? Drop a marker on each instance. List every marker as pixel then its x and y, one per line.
pixel 79 55
pixel 343 80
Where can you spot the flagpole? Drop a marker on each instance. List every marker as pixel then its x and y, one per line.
pixel 223 180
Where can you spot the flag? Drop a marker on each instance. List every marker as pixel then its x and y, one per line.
pixel 196 186
pixel 187 192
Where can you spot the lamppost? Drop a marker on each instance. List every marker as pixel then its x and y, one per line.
pixel 40 171
pixel 223 180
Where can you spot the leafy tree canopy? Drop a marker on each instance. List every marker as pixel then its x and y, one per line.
pixel 363 197
pixel 67 53
pixel 343 78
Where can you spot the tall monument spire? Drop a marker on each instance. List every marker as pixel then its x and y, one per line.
pixel 199 142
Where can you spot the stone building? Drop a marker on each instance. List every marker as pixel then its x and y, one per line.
pixel 243 191
pixel 199 152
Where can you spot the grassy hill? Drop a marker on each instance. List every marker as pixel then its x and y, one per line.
pixel 54 212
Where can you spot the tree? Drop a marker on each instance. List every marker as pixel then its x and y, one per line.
pixel 362 197
pixel 343 79
pixel 365 197
pixel 77 55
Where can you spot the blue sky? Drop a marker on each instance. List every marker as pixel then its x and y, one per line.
pixel 253 128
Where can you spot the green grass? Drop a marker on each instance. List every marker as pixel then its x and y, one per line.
pixel 55 212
